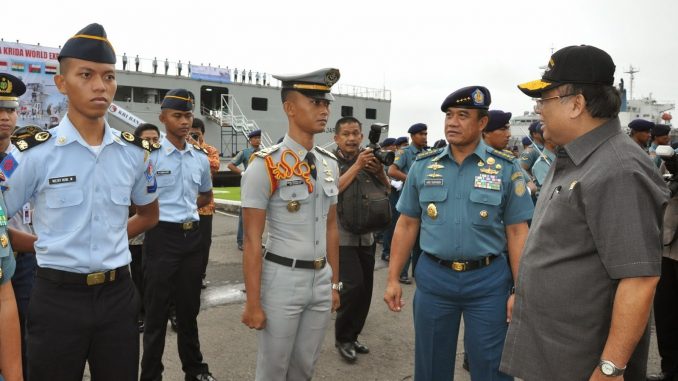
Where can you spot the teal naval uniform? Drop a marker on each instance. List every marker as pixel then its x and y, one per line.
pixel 7 262
pixel 463 211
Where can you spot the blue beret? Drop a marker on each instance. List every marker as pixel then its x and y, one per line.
pixel 89 44
pixel 11 88
pixel 388 142
pixel 417 127
pixel 641 125
pixel 178 99
pixel 661 130
pixel 253 134
pixel 498 119
pixel 527 141
pixel 316 84
pixel 468 97
pixel 401 140
pixel 535 126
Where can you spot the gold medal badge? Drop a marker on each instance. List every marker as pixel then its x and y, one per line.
pixel 293 206
pixel 432 211
pixel 490 160
pixel 4 241
pixel 483 214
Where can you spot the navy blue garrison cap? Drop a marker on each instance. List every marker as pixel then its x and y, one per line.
pixel 468 97
pixel 535 126
pixel 315 85
pixel 641 125
pixel 661 130
pixel 527 142
pixel 388 142
pixel 417 127
pixel 178 99
pixel 253 134
pixel 11 88
pixel 498 119
pixel 401 140
pixel 89 44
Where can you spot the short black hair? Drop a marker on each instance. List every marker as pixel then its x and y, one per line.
pixel 346 120
pixel 145 127
pixel 602 101
pixel 284 93
pixel 198 123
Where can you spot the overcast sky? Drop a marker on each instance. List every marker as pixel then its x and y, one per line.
pixel 420 50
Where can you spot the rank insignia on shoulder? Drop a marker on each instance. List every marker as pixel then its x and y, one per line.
pixel 197 147
pixel 430 153
pixel 502 155
pixel 325 152
pixel 141 143
pixel 31 141
pixel 262 153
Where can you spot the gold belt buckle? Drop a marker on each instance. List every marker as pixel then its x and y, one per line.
pixel 96 278
pixel 187 225
pixel 458 266
pixel 318 263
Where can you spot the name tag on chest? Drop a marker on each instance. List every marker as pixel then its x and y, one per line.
pixel 61 180
pixel 163 172
pixel 433 182
pixel 485 181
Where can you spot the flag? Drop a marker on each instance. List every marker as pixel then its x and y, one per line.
pixel 3 65
pixel 50 69
pixel 34 68
pixel 18 66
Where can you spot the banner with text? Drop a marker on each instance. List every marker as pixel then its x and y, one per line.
pixel 42 104
pixel 209 73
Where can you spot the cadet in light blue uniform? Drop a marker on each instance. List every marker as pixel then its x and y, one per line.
pixel 470 203
pixel 243 157
pixel 83 177
pixel 173 258
pixel 401 166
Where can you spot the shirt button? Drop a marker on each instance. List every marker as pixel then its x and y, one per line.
pixel 317 242
pixel 316 219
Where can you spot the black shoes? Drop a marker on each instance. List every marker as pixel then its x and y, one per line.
pixel 360 347
pixel 347 351
pixel 405 280
pixel 202 377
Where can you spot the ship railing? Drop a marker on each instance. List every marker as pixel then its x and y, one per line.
pixel 364 92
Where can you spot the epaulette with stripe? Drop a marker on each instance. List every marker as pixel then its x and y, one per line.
pixel 31 140
pixel 325 152
pixel 139 142
pixel 197 147
pixel 424 155
pixel 267 151
pixel 502 154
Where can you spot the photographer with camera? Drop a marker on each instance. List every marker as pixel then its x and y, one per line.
pixel 362 179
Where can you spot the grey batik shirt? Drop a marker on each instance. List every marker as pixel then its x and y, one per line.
pixel 598 220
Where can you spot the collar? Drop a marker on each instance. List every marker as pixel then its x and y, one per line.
pixel 414 149
pixel 65 133
pixel 582 147
pixel 481 151
pixel 298 149
pixel 167 148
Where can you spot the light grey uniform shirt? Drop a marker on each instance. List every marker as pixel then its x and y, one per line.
pixel 296 213
pixel 597 221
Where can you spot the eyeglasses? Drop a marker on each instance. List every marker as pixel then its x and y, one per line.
pixel 539 102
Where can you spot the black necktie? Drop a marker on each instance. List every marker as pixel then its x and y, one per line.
pixel 311 163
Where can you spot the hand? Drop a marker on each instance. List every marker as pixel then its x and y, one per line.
pixel 393 296
pixel 597 375
pixel 335 300
pixel 509 307
pixel 374 166
pixel 254 317
pixel 364 158
pixel 532 187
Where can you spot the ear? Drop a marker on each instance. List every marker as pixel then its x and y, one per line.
pixel 289 108
pixel 578 106
pixel 162 117
pixel 336 138
pixel 482 123
pixel 60 83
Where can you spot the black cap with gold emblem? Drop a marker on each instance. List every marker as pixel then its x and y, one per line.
pixel 316 84
pixel 89 44
pixel 178 99
pixel 11 88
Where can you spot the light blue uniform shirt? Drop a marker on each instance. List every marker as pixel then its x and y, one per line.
pixel 405 158
pixel 181 175
pixel 243 157
pixel 464 208
pixel 542 165
pixel 81 198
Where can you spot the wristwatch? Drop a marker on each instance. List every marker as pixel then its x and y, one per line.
pixel 338 286
pixel 609 369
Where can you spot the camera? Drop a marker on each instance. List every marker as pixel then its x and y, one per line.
pixel 385 157
pixel 194 136
pixel 668 155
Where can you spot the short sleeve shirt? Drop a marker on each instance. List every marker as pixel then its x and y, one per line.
pixel 296 205
pixel 597 220
pixel 405 157
pixel 530 155
pixel 464 209
pixel 243 157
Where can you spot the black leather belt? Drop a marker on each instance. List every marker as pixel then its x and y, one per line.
pixel 92 279
pixel 464 265
pixel 316 264
pixel 180 226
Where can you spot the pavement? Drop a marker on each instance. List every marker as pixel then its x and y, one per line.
pixel 230 348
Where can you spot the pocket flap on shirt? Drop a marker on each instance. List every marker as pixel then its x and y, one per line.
pixel 486 196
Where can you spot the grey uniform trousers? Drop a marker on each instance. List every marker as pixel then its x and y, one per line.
pixel 297 303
